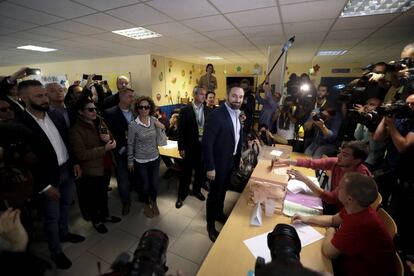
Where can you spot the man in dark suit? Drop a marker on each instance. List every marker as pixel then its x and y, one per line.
pixel 190 131
pixel 53 175
pixel 122 82
pixel 221 146
pixel 117 119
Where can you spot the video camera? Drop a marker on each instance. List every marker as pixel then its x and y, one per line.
pixel 399 109
pixel 149 258
pixel 401 64
pixel 370 119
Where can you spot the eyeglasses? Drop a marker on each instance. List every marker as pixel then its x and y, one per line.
pixel 146 107
pixel 5 109
pixel 91 109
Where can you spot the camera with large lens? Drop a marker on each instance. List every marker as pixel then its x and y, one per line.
pixel 319 116
pixel 149 257
pixel 399 109
pixel 284 245
pixel 370 119
pixel 401 64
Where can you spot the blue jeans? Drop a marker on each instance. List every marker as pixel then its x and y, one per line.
pixel 122 177
pixel 55 212
pixel 147 175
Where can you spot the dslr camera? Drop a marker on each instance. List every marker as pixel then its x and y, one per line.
pixel 149 257
pixel 285 246
pixel 370 119
pixel 399 109
pixel 319 116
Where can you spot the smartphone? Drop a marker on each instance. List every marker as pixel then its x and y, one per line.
pixel 33 71
pixel 96 77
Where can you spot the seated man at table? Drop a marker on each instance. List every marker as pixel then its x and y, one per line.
pixel 350 159
pixel 356 235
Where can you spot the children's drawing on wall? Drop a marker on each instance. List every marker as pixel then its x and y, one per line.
pixel 161 76
pixel 178 96
pixel 174 80
pixel 183 85
pixel 170 65
pixel 154 63
pixel 183 73
pixel 170 99
pixel 158 96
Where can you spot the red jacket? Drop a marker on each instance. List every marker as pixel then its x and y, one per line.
pixel 338 172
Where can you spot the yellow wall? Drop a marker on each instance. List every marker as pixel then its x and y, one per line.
pixel 172 79
pixel 135 67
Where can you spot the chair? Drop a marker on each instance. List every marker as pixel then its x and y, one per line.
pixel 376 204
pixel 400 265
pixel 388 222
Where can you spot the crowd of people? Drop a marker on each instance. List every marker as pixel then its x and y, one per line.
pixel 53 140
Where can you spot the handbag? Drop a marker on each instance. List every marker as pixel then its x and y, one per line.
pixel 161 137
pixel 240 177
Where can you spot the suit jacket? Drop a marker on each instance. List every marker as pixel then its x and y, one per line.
pixel 46 171
pixel 218 143
pixel 111 101
pixel 188 130
pixel 118 126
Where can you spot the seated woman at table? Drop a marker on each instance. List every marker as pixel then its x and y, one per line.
pixel 350 159
pixel 356 236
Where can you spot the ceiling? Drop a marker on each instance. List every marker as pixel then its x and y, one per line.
pixel 240 31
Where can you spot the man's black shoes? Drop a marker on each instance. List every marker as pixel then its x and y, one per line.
pixel 72 238
pixel 179 204
pixel 61 261
pixel 212 233
pixel 200 196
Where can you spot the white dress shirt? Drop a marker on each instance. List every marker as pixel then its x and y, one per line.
pixel 235 118
pixel 52 133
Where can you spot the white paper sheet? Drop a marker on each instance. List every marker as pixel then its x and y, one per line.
pixel 307 234
pixel 276 153
pixel 297 186
pixel 258 244
pixel 170 145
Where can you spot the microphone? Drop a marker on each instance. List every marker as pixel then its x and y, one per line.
pixel 288 44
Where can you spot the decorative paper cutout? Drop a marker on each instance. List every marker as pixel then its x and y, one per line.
pixel 154 63
pixel 158 96
pixel 161 76
pixel 183 73
pixel 174 80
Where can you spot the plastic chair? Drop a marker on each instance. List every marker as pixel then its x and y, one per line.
pixel 388 222
pixel 376 204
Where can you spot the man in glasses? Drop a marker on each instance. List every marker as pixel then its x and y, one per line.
pixel 54 171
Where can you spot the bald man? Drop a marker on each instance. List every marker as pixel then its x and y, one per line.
pixel 56 95
pixel 122 82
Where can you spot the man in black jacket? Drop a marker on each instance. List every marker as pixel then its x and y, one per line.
pixel 221 146
pixel 190 131
pixel 117 119
pixel 53 175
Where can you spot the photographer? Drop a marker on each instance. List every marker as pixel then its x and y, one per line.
pixel 285 120
pixel 364 132
pixel 399 181
pixel 326 124
pixel 403 73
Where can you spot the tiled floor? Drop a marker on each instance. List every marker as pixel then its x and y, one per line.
pixel 185 227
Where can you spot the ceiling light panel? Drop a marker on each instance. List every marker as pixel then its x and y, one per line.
pixel 36 48
pixel 137 33
pixel 373 7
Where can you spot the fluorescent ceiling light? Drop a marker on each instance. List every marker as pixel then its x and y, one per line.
pixel 137 33
pixel 36 48
pixel 372 7
pixel 213 58
pixel 332 53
